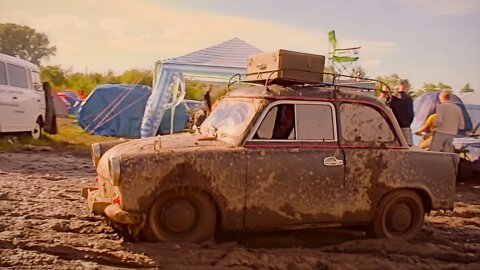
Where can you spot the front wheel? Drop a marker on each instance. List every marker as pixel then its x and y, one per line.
pixel 181 216
pixel 37 130
pixel 399 216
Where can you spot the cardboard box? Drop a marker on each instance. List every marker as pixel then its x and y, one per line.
pixel 286 66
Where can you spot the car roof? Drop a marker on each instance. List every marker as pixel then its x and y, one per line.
pixel 322 92
pixel 17 61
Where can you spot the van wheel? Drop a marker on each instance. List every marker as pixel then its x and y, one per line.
pixel 399 216
pixel 37 130
pixel 181 216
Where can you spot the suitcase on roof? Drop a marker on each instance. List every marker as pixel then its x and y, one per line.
pixel 285 66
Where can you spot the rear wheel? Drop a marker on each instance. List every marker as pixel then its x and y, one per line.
pixel 181 216
pixel 37 130
pixel 399 216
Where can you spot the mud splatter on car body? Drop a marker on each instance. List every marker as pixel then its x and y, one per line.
pixel 258 183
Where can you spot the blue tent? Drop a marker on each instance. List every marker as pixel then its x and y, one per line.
pixel 472 104
pixel 117 110
pixel 425 105
pixel 220 61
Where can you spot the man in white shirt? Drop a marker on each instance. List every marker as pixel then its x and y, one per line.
pixel 449 121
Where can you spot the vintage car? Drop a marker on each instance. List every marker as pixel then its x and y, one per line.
pixel 275 158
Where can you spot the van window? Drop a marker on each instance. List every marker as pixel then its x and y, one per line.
pixel 17 76
pixel 3 74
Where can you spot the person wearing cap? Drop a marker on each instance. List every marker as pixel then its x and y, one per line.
pixel 402 107
pixel 449 121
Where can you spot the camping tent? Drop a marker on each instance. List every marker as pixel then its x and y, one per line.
pixel 219 61
pixel 425 105
pixel 117 110
pixel 114 110
pixel 61 106
pixel 472 104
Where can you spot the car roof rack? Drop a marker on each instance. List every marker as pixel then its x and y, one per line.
pixel 352 82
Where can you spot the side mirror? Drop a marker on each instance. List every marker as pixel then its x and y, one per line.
pixel 37 86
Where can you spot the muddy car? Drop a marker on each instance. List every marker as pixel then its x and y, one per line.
pixel 275 158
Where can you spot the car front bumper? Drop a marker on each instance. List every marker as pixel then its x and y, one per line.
pixel 103 206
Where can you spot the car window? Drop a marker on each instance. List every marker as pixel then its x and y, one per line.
pixel 361 123
pixel 278 124
pixel 301 122
pixel 315 122
pixel 17 76
pixel 229 119
pixel 3 74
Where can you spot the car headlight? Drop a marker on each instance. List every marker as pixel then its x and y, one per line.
pixel 114 170
pixel 96 153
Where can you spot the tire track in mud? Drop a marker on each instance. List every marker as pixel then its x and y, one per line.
pixel 45 223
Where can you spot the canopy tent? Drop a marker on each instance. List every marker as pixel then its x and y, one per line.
pixel 219 61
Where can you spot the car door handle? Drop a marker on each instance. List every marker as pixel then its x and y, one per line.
pixel 332 161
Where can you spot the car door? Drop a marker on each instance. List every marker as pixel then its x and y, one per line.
pixel 25 99
pixel 6 102
pixel 370 146
pixel 295 168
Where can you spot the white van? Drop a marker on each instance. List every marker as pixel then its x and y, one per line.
pixel 22 99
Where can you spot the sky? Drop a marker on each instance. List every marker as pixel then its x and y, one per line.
pixel 424 41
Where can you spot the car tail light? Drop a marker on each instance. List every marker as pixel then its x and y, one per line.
pixel 96 179
pixel 116 200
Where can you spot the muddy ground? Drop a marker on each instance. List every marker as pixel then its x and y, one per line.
pixel 45 224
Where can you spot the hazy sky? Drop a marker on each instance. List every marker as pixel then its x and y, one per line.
pixel 421 40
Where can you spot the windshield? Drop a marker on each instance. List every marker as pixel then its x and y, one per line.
pixel 229 120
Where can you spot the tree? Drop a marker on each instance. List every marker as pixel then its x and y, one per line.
pixel 54 74
pixel 358 72
pixel 391 80
pixel 24 42
pixel 137 76
pixel 431 87
pixel 467 89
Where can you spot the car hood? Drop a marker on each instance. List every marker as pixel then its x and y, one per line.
pixel 159 144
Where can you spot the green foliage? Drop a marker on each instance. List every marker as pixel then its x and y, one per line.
pixel 467 89
pixel 54 74
pixel 24 42
pixel 430 87
pixel 137 76
pixel 194 90
pixel 391 80
pixel 61 78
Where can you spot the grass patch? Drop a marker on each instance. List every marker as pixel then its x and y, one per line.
pixel 70 138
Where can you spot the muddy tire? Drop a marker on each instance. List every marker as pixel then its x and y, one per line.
pixel 181 216
pixel 399 216
pixel 37 130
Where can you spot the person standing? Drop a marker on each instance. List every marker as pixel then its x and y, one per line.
pixel 50 125
pixel 449 121
pixel 402 107
pixel 207 102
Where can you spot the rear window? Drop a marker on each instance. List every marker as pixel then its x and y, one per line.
pixel 3 74
pixel 17 76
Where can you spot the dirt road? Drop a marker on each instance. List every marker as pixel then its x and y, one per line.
pixel 45 224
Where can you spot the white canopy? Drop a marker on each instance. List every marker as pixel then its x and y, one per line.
pixel 219 61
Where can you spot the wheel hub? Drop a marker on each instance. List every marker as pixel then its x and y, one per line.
pixel 399 218
pixel 179 216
